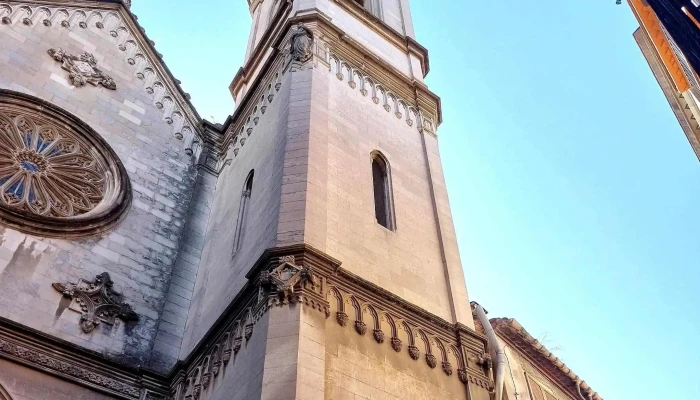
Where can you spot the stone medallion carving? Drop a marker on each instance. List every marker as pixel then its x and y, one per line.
pixel 283 278
pixel 82 69
pixel 301 44
pixel 97 301
pixel 57 176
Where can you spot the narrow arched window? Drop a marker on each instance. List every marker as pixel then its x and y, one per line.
pixel 383 203
pixel 243 213
pixel 373 6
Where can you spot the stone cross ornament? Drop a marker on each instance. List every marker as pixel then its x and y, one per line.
pixel 97 301
pixel 82 69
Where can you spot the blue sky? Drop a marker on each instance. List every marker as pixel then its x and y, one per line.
pixel 573 188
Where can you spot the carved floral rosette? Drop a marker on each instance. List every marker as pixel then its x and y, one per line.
pixel 58 177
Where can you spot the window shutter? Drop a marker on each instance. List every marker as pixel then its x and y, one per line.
pixel 537 391
pixel 548 396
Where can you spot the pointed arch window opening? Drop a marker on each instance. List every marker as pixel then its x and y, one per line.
pixel 242 220
pixel 374 7
pixel 383 198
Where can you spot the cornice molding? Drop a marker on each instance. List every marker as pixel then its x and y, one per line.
pixel 398 39
pixel 340 42
pixel 121 27
pixel 68 361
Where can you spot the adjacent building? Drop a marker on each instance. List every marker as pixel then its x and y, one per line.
pixel 302 250
pixel 669 37
pixel 529 370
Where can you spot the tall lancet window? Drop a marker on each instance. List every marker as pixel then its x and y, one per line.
pixel 383 199
pixel 243 213
pixel 373 6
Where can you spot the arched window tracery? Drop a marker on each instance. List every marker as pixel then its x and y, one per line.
pixel 57 176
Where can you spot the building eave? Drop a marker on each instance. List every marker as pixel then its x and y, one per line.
pixel 510 330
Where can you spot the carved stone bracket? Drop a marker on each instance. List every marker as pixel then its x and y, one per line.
pixel 302 41
pixel 285 277
pixel 431 360
pixel 82 69
pixel 396 344
pixel 98 302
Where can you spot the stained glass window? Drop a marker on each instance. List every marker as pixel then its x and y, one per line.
pixel 54 166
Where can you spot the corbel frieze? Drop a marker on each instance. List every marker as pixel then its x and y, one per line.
pixel 119 26
pixel 357 78
pixel 303 275
pixel 280 279
pixel 436 344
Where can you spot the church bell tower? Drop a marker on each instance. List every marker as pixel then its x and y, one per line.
pixel 331 268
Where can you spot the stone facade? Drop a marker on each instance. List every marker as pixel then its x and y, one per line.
pixel 247 260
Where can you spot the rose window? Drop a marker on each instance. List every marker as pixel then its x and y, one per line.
pixel 57 176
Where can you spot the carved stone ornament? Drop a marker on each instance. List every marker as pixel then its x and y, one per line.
pixel 447 368
pixel 360 327
pixel 58 177
pixel 53 361
pixel 97 301
pixel 301 44
pixel 462 374
pixel 396 344
pixel 378 335
pixel 82 69
pixel 413 352
pixel 342 318
pixel 249 331
pixel 431 360
pixel 285 277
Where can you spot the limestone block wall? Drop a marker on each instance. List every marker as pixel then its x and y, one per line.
pixel 178 299
pixel 242 378
pixel 370 38
pixel 407 261
pixel 357 367
pixel 139 253
pixel 221 272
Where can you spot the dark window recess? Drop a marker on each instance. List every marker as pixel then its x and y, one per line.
pixel 242 214
pixel 382 192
